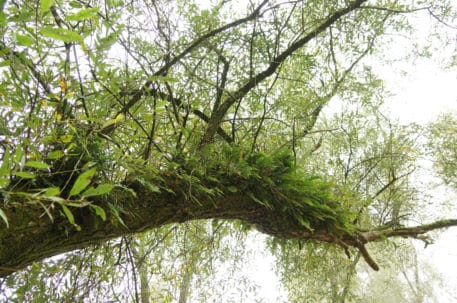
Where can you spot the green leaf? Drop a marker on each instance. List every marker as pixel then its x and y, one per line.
pixel 55 154
pixel 5 63
pixel 99 211
pixel 23 16
pixel 108 123
pixel 4 182
pixel 19 155
pixel 119 118
pixel 68 214
pixel 5 167
pixel 5 219
pixel 61 34
pixel 52 191
pixel 106 42
pixel 115 212
pixel 84 14
pixel 100 190
pixel 82 182
pixel 24 40
pixel 36 164
pixel 3 19
pixel 75 4
pixel 66 138
pixel 45 5
pixel 305 223
pixel 25 175
pixel 232 189
pixel 257 200
pixel 149 185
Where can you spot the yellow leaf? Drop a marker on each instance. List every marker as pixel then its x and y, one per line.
pixel 119 118
pixel 63 84
pixel 69 95
pixel 109 123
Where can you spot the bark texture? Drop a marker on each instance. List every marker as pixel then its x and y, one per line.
pixel 32 236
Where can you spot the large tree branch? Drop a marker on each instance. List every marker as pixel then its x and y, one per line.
pixel 32 236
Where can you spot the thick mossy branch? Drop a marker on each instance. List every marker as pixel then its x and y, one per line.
pixel 267 192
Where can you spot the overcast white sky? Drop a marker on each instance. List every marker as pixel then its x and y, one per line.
pixel 421 91
pixel 421 97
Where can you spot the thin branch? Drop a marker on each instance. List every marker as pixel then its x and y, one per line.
pixel 393 10
pixel 221 86
pixel 163 70
pixel 29 64
pixel 408 232
pixel 254 15
pixel 390 183
pixel 178 102
pixel 440 20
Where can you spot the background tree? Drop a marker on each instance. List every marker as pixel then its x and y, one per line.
pixel 121 117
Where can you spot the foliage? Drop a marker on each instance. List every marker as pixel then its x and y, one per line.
pixel 121 116
pixel 443 146
pixel 110 270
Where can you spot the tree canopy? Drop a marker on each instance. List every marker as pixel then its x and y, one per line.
pixel 120 117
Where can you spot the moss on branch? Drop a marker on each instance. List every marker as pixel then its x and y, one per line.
pixel 267 192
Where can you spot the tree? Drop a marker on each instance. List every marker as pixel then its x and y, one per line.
pixel 443 146
pixel 124 117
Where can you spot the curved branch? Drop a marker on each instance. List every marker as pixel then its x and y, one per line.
pixel 32 237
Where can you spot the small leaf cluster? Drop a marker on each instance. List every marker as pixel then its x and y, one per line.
pixel 61 179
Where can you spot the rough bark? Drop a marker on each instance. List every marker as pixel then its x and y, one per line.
pixel 32 236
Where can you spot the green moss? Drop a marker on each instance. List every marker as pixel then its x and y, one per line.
pixel 299 200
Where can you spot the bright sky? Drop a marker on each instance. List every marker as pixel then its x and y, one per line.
pixel 418 96
pixel 424 94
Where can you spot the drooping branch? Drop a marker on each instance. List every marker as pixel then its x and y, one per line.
pixel 360 238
